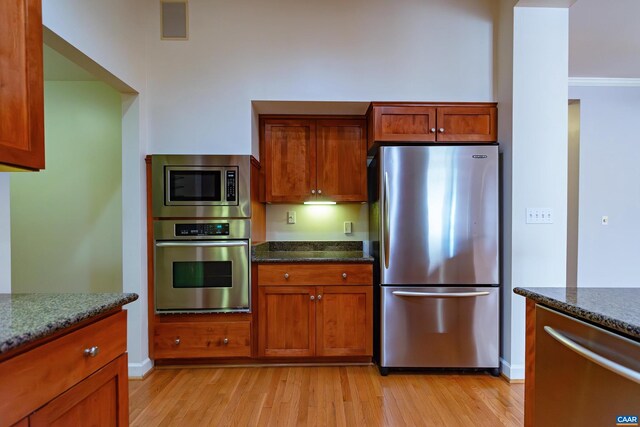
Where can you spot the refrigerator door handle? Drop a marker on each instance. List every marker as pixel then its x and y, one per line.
pixel 612 366
pixel 385 220
pixel 440 294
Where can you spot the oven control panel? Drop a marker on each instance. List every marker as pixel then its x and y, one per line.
pixel 218 229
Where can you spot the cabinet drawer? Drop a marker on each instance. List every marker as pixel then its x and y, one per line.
pixel 315 274
pixel 206 339
pixel 31 379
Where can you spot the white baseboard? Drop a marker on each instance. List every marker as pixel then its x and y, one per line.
pixel 139 370
pixel 512 372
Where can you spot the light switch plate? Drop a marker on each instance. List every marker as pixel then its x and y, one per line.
pixel 348 227
pixel 539 216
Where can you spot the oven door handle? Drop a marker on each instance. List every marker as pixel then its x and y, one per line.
pixel 229 244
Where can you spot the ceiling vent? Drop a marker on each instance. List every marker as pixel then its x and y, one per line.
pixel 174 20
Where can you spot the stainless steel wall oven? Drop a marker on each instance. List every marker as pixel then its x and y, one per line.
pixel 202 265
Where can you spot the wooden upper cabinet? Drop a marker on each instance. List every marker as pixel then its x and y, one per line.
pixel 21 85
pixel 314 159
pixel 431 122
pixel 342 160
pixel 404 123
pixel 473 124
pixel 290 160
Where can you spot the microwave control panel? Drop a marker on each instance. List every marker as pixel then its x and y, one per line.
pixel 231 186
pixel 219 229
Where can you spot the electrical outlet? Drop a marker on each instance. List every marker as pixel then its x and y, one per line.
pixel 348 227
pixel 604 220
pixel 291 217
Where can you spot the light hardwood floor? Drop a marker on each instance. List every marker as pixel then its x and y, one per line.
pixel 322 396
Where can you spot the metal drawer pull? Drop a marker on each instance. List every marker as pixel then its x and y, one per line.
pixel 612 366
pixel 440 294
pixel 225 341
pixel 225 244
pixel 177 341
pixel 344 275
pixel 91 352
pixel 286 275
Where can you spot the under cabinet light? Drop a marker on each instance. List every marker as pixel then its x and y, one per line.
pixel 319 203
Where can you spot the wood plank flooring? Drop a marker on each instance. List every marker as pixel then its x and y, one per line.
pixel 322 396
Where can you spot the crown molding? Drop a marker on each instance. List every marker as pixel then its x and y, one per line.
pixel 604 81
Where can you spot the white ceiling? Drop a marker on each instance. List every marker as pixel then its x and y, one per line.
pixel 604 38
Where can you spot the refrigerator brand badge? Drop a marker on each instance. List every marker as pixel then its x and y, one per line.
pixel 627 420
pixel 479 156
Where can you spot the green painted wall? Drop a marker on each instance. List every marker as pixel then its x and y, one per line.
pixel 66 221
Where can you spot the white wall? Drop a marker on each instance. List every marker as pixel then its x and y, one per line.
pixel 66 220
pixel 318 222
pixel 113 34
pixel 5 234
pixel 539 164
pixel 609 185
pixel 358 50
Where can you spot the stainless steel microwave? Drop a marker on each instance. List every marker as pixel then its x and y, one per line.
pixel 206 186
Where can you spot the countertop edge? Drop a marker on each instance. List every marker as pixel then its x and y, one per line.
pixel 17 341
pixel 591 316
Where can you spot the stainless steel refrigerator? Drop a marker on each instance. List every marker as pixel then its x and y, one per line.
pixel 434 222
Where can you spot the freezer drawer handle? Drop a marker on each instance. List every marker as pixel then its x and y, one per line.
pixel 614 367
pixel 201 244
pixel 440 294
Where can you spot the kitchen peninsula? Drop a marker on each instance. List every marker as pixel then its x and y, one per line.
pixel 63 359
pixel 582 355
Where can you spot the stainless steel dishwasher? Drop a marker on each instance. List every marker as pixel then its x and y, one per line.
pixel 584 375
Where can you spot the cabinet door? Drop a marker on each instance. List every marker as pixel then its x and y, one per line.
pixel 467 124
pixel 21 85
pixel 287 321
pixel 290 151
pixel 342 160
pixel 344 321
pixel 404 124
pixel 100 400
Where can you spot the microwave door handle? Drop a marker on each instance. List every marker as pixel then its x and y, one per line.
pixel 201 244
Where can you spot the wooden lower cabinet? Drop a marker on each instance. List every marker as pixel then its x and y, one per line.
pixel 297 320
pixel 100 400
pixel 78 378
pixel 176 340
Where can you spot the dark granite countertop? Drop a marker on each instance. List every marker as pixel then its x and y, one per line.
pixel 614 308
pixel 25 318
pixel 301 252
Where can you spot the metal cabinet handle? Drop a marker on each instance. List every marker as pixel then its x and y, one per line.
pixel 225 341
pixel 440 294
pixel 286 275
pixel 433 130
pixel 312 298
pixel 344 275
pixel 313 191
pixel 91 352
pixel 319 297
pixel 608 364
pixel 441 130
pixel 319 191
pixel 386 234
pixel 177 341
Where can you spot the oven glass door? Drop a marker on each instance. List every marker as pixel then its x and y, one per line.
pixel 208 275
